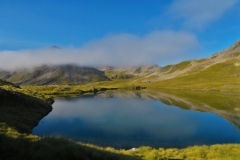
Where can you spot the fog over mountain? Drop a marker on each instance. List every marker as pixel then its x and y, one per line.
pixel 159 47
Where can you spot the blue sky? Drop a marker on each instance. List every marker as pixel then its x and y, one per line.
pixel 115 32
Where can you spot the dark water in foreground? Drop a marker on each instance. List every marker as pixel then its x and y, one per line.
pixel 132 122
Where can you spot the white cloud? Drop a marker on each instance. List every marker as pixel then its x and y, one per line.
pixel 160 47
pixel 199 13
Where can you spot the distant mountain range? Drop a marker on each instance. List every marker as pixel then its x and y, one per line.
pixel 221 66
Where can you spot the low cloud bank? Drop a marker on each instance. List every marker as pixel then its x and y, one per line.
pixel 159 47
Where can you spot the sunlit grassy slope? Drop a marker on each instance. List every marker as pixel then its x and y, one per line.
pixel 221 76
pixel 180 66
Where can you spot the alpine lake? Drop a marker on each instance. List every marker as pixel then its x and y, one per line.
pixel 160 119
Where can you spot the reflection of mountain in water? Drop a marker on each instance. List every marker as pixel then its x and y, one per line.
pixel 225 105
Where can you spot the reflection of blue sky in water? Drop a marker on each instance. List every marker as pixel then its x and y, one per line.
pixel 146 122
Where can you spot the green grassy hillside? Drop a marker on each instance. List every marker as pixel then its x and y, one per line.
pixel 220 76
pixel 20 111
pixel 178 67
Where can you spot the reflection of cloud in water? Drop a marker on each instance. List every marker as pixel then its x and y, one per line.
pixel 127 116
pixel 129 119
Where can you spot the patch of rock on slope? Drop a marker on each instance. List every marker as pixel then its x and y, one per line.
pixel 136 71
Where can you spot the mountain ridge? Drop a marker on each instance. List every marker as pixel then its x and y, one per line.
pixel 55 74
pixel 197 65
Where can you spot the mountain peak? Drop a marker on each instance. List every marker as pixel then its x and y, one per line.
pixel 232 50
pixel 235 45
pixel 54 47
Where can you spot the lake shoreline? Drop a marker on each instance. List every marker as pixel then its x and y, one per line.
pixel 139 152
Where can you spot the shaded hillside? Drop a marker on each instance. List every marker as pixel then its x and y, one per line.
pixel 61 74
pixel 20 111
pixel 6 83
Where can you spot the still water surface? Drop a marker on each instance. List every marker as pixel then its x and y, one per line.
pixel 132 122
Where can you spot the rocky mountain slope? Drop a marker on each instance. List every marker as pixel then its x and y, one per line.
pixel 198 65
pixel 61 74
pixel 129 72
